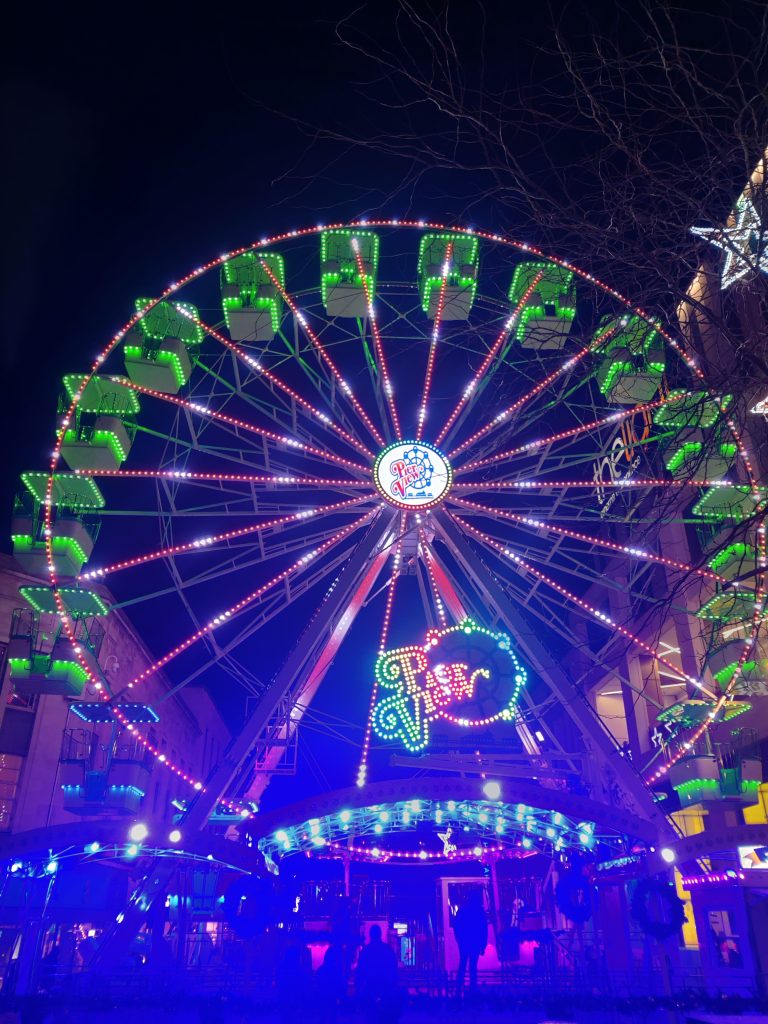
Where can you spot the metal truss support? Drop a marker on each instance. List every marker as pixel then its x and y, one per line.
pixel 117 942
pixel 614 769
pixel 300 701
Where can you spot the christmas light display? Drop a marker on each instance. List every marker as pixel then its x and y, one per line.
pixel 464 674
pixel 743 243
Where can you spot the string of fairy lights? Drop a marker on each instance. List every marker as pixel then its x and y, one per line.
pixel 422 414
pixel 360 473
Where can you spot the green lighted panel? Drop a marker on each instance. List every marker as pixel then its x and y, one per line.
pixel 101 395
pixel 724 676
pixel 698 789
pixel 247 274
pixel 134 353
pixel 43 665
pixel 77 602
pixel 69 489
pixel 691 784
pixel 634 349
pixel 730 561
pixel 97 439
pixel 432 252
pixel 697 410
pixel 554 289
pixel 166 320
pixel 62 547
pixel 336 246
pixel 730 606
pixel 720 503
pixel 612 369
pixel 690 453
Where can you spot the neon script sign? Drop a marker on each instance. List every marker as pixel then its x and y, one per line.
pixel 464 674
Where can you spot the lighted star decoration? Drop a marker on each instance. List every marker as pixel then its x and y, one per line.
pixel 743 244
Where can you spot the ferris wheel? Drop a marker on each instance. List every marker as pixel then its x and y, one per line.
pixel 336 418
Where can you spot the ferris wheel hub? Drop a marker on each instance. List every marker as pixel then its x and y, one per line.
pixel 412 475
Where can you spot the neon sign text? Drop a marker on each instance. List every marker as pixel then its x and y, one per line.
pixel 463 674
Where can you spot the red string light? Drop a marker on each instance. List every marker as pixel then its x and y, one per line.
pixel 601 617
pixel 562 435
pixel 517 405
pixel 346 390
pixel 490 356
pixel 203 543
pixel 589 539
pixel 226 615
pixel 543 485
pixel 428 556
pixel 376 853
pixel 362 771
pixel 232 421
pixel 269 375
pixel 241 478
pixel 389 390
pixel 433 342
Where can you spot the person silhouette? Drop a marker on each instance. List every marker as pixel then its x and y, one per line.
pixel 470 926
pixel 376 979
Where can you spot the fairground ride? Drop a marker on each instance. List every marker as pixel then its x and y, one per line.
pixel 528 479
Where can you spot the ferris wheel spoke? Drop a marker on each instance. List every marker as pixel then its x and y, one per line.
pixel 546 526
pixel 268 375
pixel 583 606
pixel 378 344
pixel 238 389
pixel 233 610
pixel 269 435
pixel 568 435
pixel 206 542
pixel 362 770
pixel 422 413
pixel 632 483
pixel 252 479
pixel 344 386
pixel 602 661
pixel 574 565
pixel 429 559
pixel 518 404
pixel 269 609
pixel 467 397
pixel 239 558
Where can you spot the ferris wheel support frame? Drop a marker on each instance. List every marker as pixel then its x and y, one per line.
pixel 301 701
pixel 118 940
pixel 635 794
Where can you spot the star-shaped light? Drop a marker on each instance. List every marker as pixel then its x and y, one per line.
pixel 743 244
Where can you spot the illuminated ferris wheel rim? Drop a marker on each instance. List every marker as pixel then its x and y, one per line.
pixel 420 225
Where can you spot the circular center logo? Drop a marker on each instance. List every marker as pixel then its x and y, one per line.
pixel 412 474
